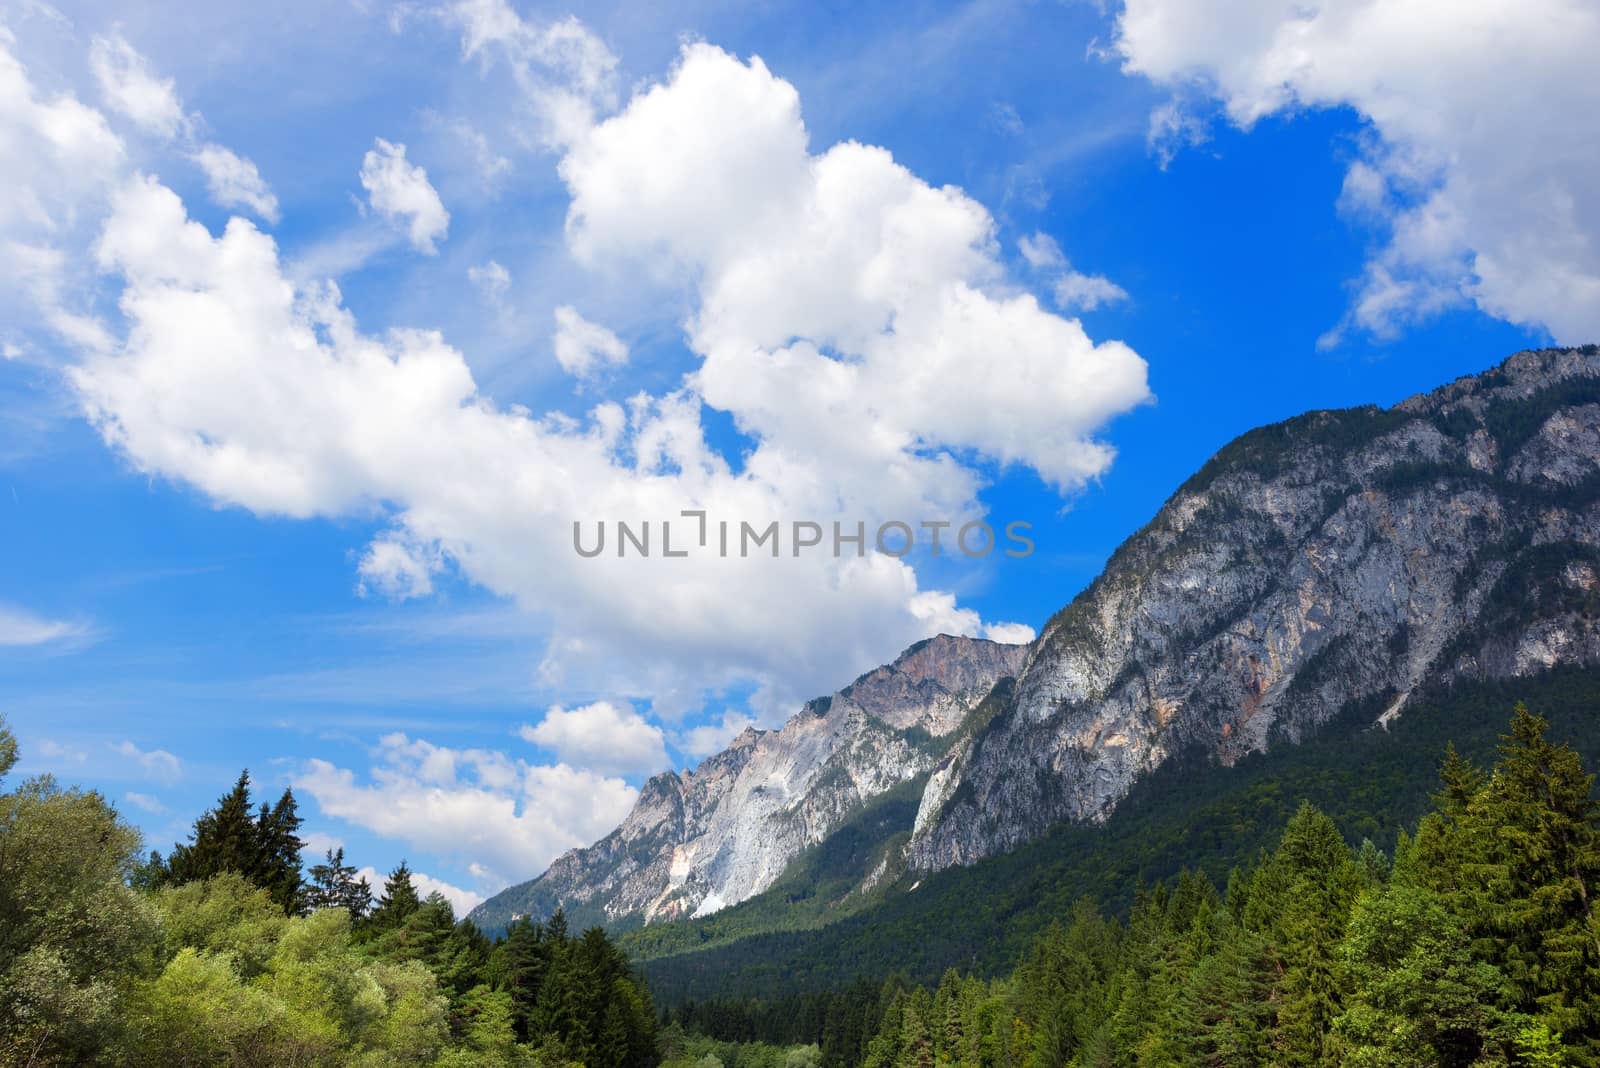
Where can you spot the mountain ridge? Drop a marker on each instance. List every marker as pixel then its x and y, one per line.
pixel 1333 559
pixel 1310 563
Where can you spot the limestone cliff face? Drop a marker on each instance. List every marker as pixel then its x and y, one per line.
pixel 1337 557
pixel 699 840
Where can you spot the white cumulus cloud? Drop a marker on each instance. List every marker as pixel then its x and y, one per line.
pixel 60 155
pixel 1072 289
pixel 234 182
pixel 583 347
pixel 154 105
pixel 131 89
pixel 1010 633
pixel 602 736
pixel 707 738
pixel 479 806
pixel 399 568
pixel 1480 168
pixel 837 290
pixel 565 73
pixel 856 322
pixel 399 190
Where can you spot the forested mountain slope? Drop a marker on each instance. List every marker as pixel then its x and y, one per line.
pixel 1190 813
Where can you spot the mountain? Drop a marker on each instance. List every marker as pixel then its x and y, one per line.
pixel 697 841
pixel 1330 571
pixel 1318 562
pixel 1315 614
pixel 1187 814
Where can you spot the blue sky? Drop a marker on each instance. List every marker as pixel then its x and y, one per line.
pixel 234 536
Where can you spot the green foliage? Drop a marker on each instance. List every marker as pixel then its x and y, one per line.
pixel 1418 996
pixel 1538 1048
pixel 216 970
pixel 8 749
pixel 69 927
pixel 227 915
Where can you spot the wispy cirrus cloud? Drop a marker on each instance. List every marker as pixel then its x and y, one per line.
pixel 155 764
pixel 22 628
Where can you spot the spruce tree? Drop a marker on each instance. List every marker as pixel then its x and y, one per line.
pixel 264 847
pixel 523 961
pixel 398 902
pixel 1301 899
pixel 335 884
pixel 1539 834
pixel 278 846
pixel 556 1013
pixel 612 1050
pixel 327 879
pixel 223 839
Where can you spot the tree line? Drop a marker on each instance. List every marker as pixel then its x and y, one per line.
pixel 1473 942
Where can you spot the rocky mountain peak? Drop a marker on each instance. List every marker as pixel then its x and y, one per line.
pixel 1336 557
pixel 701 839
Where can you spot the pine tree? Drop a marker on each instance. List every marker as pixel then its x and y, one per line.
pixel 355 896
pixel 612 1049
pixel 916 1047
pixel 523 961
pixel 1301 899
pixel 556 1013
pixel 264 848
pixel 278 846
pixel 947 1016
pixel 398 902
pixel 1229 998
pixel 223 839
pixel 884 1049
pixel 1459 781
pixel 1539 833
pixel 556 929
pixel 327 880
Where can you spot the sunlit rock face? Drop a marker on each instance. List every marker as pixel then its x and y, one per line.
pixel 1337 557
pixel 701 840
